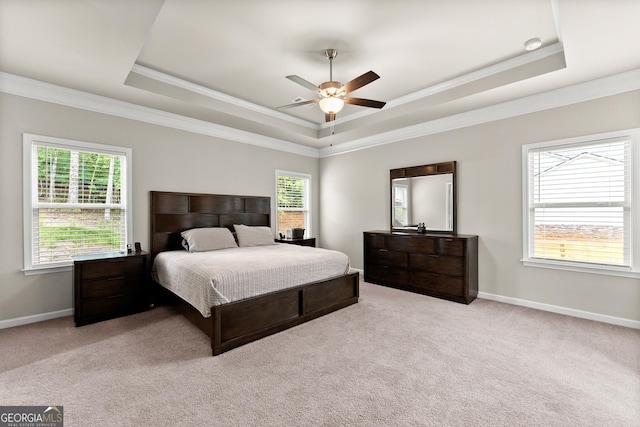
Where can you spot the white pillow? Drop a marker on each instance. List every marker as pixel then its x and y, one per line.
pixel 208 239
pixel 253 236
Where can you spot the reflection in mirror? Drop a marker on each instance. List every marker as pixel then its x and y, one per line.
pixel 424 199
pixel 424 195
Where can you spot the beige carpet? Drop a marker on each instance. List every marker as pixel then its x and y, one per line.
pixel 394 359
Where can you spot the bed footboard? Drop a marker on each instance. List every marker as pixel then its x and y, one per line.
pixel 241 322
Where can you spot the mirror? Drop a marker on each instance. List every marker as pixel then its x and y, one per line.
pixel 424 194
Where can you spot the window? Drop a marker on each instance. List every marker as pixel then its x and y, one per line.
pixel 294 206
pixel 578 208
pixel 400 204
pixel 76 200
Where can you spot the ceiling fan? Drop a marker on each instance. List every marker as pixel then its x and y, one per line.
pixel 331 94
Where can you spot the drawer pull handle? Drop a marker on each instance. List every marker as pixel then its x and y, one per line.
pixel 115 296
pixel 433 255
pixel 384 250
pixel 117 278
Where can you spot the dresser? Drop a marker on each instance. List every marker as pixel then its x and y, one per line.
pixel 109 285
pixel 439 265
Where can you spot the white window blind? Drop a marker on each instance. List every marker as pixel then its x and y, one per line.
pixel 579 202
pixel 76 200
pixel 293 201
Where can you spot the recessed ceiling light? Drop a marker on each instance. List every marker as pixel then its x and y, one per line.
pixel 533 44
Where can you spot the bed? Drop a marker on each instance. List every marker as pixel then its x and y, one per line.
pixel 243 319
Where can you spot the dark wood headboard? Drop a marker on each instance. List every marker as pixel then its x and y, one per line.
pixel 172 213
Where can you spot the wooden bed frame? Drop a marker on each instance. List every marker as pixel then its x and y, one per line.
pixel 240 322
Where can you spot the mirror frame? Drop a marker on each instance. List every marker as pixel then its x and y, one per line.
pixel 426 170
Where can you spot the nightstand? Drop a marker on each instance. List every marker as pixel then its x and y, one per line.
pixel 311 241
pixel 109 285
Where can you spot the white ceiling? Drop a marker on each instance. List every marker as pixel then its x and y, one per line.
pixel 225 62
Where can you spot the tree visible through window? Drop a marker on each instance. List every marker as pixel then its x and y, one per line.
pixel 76 200
pixel 293 201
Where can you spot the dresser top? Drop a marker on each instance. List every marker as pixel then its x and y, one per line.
pixel 416 234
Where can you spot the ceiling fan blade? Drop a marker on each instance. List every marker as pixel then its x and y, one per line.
pixel 365 102
pixel 358 82
pixel 305 83
pixel 297 104
pixel 329 117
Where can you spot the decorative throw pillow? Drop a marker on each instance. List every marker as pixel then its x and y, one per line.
pixel 208 239
pixel 253 235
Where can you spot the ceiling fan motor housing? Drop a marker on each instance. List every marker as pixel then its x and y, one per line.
pixel 330 88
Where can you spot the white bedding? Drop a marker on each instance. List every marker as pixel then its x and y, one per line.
pixel 205 279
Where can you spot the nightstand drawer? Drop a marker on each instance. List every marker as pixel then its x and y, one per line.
pixel 110 306
pixel 113 267
pixel 112 286
pixel 109 285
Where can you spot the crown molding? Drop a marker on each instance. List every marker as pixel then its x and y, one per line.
pixel 582 92
pixel 607 86
pixel 509 64
pixel 35 89
pixel 219 96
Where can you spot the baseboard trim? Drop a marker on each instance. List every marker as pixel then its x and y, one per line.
pixel 628 323
pixel 19 321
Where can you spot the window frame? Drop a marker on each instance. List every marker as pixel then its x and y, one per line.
pixel 308 217
pixel 29 184
pixel 633 135
pixel 406 201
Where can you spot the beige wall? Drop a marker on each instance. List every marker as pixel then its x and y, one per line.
pixel 163 159
pixel 352 193
pixel 489 200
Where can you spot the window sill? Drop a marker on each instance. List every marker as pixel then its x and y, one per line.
pixel 49 269
pixel 607 271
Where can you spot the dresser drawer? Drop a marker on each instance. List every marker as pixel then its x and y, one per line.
pixel 113 267
pixel 112 286
pixel 388 258
pixel 449 265
pixel 416 244
pixel 454 247
pixel 110 306
pixel 375 241
pixel 446 285
pixel 387 275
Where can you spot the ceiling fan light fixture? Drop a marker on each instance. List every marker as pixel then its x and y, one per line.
pixel 331 104
pixel 533 44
